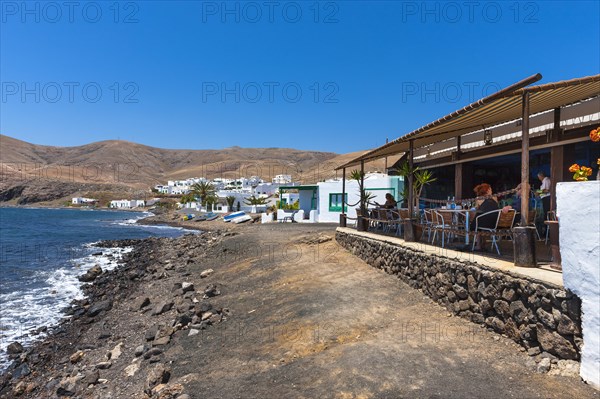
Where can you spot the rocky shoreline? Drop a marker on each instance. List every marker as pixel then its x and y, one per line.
pixel 113 342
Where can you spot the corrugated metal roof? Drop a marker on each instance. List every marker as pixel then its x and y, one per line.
pixel 502 107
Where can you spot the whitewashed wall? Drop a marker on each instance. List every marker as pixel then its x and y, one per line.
pixel 578 210
pixel 328 187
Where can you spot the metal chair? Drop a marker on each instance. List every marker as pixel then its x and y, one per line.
pixel 504 222
pixel 551 215
pixel 429 217
pixel 443 222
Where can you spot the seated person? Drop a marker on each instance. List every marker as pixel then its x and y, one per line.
pixel 484 205
pixel 517 199
pixel 390 202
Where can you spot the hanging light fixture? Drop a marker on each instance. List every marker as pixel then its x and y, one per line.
pixel 487 137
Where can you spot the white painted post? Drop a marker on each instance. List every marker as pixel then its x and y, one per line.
pixel 578 211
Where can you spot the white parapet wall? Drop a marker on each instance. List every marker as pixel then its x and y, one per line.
pixel 578 211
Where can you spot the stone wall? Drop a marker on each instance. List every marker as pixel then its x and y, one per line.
pixel 537 315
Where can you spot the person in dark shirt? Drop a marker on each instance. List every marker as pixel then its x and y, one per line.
pixel 486 204
pixel 390 202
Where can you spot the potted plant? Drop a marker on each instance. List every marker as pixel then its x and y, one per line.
pixel 365 198
pixel 413 229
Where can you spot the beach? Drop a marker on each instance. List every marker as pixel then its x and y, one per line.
pixel 277 310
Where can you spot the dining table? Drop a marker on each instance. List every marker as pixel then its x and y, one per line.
pixel 465 213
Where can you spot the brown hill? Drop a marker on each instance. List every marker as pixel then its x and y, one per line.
pixel 37 173
pixel 122 162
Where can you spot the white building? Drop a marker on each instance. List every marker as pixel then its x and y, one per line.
pixel 83 201
pixel 282 179
pixel 322 202
pixel 179 187
pixel 127 204
pixel 268 189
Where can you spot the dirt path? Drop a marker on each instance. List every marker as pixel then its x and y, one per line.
pixel 313 321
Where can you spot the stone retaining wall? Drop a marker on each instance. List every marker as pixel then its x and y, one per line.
pixel 537 315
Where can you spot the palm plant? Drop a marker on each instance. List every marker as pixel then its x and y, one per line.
pixel 187 198
pixel 253 200
pixel 420 179
pixel 211 200
pixel 230 201
pixel 365 196
pixel 204 191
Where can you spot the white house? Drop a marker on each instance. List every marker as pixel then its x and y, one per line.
pixel 83 201
pixel 268 189
pixel 127 204
pixel 324 199
pixel 282 179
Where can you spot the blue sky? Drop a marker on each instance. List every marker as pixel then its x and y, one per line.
pixel 334 76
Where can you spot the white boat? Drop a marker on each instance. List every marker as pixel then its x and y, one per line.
pixel 241 219
pixel 233 215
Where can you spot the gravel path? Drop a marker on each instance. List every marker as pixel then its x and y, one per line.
pixel 313 321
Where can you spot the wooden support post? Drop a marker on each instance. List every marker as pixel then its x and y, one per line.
pixel 525 160
pixel 410 226
pixel 343 214
pixel 411 200
pixel 556 172
pixel 524 236
pixel 458 173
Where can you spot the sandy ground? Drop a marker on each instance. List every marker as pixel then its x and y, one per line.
pixel 313 321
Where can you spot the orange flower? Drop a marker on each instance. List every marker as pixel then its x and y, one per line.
pixel 586 171
pixel 574 168
pixel 595 135
pixel 598 162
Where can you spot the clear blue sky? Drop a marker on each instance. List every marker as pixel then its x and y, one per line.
pixel 365 70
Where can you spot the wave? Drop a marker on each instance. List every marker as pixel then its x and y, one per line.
pixel 24 312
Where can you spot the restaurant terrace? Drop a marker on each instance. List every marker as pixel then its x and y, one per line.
pixel 504 139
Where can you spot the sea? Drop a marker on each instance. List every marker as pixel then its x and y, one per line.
pixel 43 251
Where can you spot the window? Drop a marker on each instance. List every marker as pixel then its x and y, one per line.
pixel 335 202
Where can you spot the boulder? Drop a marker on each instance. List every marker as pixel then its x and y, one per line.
pixel 206 273
pixel 76 357
pixel 156 376
pixel 91 274
pixel 14 349
pixel 97 308
pixel 555 344
pixel 187 287
pixel 162 308
pixel 211 290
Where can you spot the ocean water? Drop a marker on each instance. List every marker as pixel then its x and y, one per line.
pixel 43 251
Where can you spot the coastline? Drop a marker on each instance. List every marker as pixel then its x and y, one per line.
pixel 143 272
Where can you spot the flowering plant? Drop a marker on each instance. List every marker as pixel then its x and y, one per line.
pixel 580 173
pixel 595 134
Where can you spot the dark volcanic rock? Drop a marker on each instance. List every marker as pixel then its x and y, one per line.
pixel 91 274
pixel 158 375
pixel 14 348
pixel 211 290
pixel 162 307
pixel 95 309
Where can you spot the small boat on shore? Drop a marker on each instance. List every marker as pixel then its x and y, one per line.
pixel 211 216
pixel 233 215
pixel 241 219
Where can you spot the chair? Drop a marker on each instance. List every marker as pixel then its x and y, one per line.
pixel 290 218
pixel 443 222
pixel 429 217
pixel 551 215
pixel 503 226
